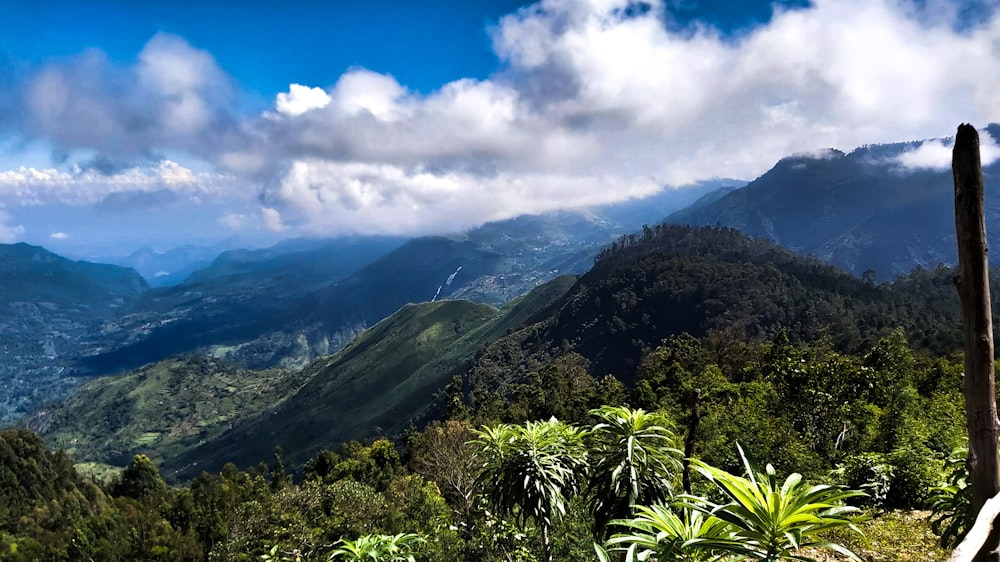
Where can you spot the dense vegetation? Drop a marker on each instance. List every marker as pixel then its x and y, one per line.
pixel 719 339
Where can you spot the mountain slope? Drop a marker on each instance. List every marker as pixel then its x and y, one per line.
pixel 860 211
pixel 382 382
pixel 159 409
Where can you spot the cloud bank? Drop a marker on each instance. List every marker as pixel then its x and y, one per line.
pixel 595 101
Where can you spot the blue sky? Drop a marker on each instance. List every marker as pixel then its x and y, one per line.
pixel 125 124
pixel 266 45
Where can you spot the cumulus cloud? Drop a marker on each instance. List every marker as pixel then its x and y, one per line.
pixel 598 103
pixel 59 236
pixel 300 99
pixel 174 97
pixel 595 102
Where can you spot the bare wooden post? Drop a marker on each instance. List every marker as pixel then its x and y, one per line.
pixel 973 286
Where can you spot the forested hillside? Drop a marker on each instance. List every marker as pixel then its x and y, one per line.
pixel 719 283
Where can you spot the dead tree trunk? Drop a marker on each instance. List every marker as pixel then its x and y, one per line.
pixel 977 326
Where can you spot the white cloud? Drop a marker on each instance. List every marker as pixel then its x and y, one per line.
pixel 272 219
pixel 300 99
pixel 935 154
pixel 593 103
pixel 327 197
pixel 234 221
pixel 59 236
pixel 174 97
pixel 33 186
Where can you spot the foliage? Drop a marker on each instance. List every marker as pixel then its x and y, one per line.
pixel 139 480
pixel 633 460
pixel 379 548
pixel 529 472
pixel 871 473
pixel 772 520
pixel 951 504
pixel 658 532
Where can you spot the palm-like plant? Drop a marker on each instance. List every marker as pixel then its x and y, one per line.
pixel 773 520
pixel 378 548
pixel 531 471
pixel 632 461
pixel 659 533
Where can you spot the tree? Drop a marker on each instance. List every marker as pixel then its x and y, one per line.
pixel 973 286
pixel 632 461
pixel 530 471
pixel 140 479
pixel 443 453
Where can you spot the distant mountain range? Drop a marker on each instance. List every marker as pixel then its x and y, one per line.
pixel 279 315
pixel 280 306
pixel 861 211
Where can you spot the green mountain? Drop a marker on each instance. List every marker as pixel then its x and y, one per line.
pixel 160 409
pixel 34 274
pixel 672 279
pixel 380 384
pixel 291 316
pixel 192 413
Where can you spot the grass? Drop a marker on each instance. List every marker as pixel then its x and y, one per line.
pixel 898 536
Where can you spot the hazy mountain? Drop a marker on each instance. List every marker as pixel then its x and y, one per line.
pixel 51 309
pixel 862 211
pixel 301 299
pixel 262 310
pixel 161 269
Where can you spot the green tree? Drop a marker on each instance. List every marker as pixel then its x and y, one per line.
pixel 632 461
pixel 139 480
pixel 529 472
pixel 658 531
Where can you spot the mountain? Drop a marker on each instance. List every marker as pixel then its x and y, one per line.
pixel 161 269
pixel 159 409
pixel 297 309
pixel 302 299
pixel 674 279
pixel 861 211
pixel 51 307
pixel 193 413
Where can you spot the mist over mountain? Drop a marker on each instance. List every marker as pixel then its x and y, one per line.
pixel 871 209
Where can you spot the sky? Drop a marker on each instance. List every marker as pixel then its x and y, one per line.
pixel 127 124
